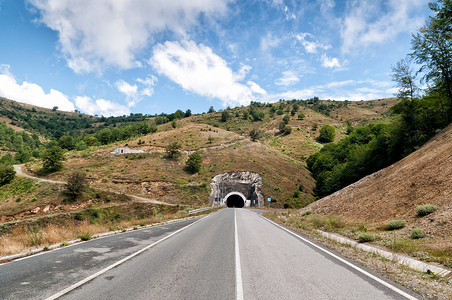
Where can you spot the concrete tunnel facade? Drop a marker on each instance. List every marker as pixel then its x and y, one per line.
pixel 237 189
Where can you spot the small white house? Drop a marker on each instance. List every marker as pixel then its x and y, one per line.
pixel 126 150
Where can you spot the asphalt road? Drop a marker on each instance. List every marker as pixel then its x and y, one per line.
pixel 232 254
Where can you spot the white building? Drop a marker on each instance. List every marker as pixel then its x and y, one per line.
pixel 126 150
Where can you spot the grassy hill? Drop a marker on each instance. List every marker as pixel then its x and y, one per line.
pixel 31 209
pixel 394 193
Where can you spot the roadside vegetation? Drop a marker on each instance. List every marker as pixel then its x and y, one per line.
pixel 413 242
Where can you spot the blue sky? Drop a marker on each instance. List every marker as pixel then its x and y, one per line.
pixel 150 56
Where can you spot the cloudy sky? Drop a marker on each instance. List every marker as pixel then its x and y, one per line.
pixel 150 56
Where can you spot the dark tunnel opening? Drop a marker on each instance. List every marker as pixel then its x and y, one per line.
pixel 235 201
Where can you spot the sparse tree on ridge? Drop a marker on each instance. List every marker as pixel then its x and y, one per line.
pixel 404 77
pixel 432 47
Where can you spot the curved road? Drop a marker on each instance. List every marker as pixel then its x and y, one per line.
pixel 231 254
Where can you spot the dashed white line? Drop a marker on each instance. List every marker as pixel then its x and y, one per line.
pixel 89 278
pixel 238 268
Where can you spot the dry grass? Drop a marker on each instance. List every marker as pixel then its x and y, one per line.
pixel 28 236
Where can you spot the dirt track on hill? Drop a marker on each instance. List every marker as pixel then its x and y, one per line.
pixel 19 172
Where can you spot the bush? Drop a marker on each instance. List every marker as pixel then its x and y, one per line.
pixel 79 216
pixel 193 163
pixel 306 213
pixel 365 237
pixel 76 184
pixel 395 224
pixel 86 236
pixel 52 158
pixel 327 134
pixel 423 210
pixel 255 134
pixel 417 233
pixel 286 119
pixel 225 116
pixel 7 174
pixel 287 130
pixel 172 150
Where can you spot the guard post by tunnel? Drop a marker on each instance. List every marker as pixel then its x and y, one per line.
pixel 237 189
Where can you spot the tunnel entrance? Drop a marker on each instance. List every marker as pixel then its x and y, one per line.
pixel 246 186
pixel 235 200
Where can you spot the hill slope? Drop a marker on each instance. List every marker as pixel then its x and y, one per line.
pixel 424 177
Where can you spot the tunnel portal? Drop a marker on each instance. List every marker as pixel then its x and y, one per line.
pixel 237 189
pixel 235 200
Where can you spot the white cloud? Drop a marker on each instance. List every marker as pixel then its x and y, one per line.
pixel 309 43
pixel 127 89
pixel 95 34
pixel 197 69
pixel 269 41
pixel 100 107
pixel 255 88
pixel 331 62
pixel 367 23
pixel 31 93
pixel 287 79
pixel 340 90
pixel 133 93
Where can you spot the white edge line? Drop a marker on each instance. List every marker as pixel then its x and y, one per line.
pixel 238 268
pixel 390 286
pixel 93 276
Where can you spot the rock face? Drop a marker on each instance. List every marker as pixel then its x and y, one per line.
pixel 247 185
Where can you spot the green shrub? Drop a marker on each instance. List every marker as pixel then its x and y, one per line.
pixel 7 174
pixel 306 213
pixel 86 236
pixel 34 235
pixel 327 134
pixel 365 237
pixel 423 210
pixel 76 184
pixel 193 163
pixel 417 233
pixel 395 224
pixel 79 216
pixel 335 222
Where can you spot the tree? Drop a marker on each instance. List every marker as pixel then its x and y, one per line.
pixel 432 47
pixel 7 174
pixel 404 77
pixel 211 110
pixel 287 129
pixel 66 142
pixel 54 108
pixel 255 134
pixel 301 116
pixel 52 158
pixel 225 116
pixel 210 139
pixel 76 184
pixel 172 150
pixel 193 163
pixel 286 119
pixel 327 134
pixel 188 113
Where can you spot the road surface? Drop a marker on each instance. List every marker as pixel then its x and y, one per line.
pixel 231 254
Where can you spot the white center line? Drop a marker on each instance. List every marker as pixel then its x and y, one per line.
pixel 238 268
